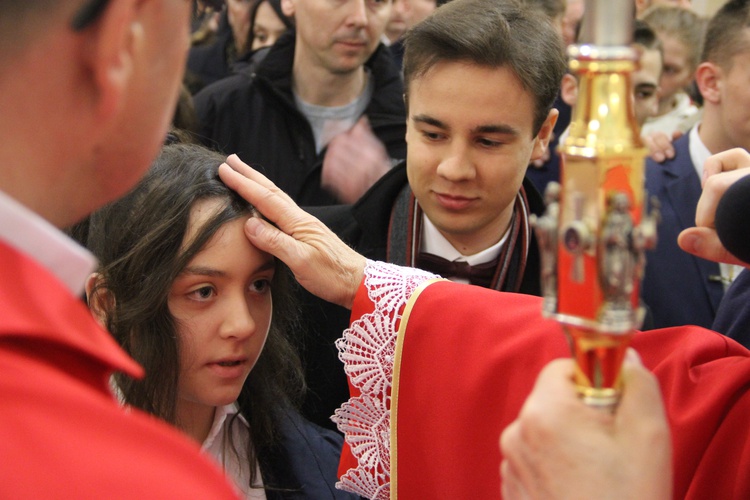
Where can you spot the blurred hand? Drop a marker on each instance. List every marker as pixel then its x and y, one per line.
pixel 660 146
pixel 320 261
pixel 719 172
pixel 354 160
pixel 560 448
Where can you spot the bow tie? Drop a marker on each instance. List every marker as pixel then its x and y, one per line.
pixel 480 274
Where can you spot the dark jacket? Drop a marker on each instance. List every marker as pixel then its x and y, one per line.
pixel 733 317
pixel 679 288
pixel 364 226
pixel 253 113
pixel 306 464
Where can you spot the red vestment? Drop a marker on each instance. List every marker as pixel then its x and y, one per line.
pixel 467 357
pixel 62 434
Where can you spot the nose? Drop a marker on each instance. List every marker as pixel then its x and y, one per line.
pixel 238 322
pixel 457 164
pixel 358 13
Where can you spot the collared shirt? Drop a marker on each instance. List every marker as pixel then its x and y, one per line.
pixel 227 438
pixel 32 235
pixel 435 243
pixel 699 153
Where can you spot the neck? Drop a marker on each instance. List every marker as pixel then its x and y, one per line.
pixel 320 87
pixel 194 419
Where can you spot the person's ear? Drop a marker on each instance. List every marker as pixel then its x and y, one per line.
pixel 708 78
pixel 569 89
pixel 541 141
pixel 99 298
pixel 288 8
pixel 112 44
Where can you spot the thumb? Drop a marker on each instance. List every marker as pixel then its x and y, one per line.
pixel 704 243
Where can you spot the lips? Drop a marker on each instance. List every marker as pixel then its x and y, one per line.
pixel 229 368
pixel 453 202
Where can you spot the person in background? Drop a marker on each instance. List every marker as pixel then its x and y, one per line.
pixel 267 23
pixel 88 89
pixel 679 288
pixel 213 61
pixel 681 32
pixel 321 111
pixel 210 325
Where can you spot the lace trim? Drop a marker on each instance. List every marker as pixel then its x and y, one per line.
pixel 367 350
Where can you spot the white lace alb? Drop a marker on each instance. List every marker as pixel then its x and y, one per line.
pixel 367 350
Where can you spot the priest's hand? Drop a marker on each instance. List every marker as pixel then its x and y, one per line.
pixel 320 261
pixel 560 448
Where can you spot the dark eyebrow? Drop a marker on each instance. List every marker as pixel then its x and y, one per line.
pixel 428 120
pixel 481 129
pixel 496 129
pixel 215 273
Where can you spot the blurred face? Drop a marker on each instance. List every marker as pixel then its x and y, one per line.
pixel 238 15
pixel 337 35
pixel 398 21
pixel 267 28
pixel 221 303
pixel 677 73
pixel 573 14
pixel 468 151
pixel 646 86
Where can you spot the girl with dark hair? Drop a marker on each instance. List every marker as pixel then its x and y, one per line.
pixel 185 293
pixel 267 23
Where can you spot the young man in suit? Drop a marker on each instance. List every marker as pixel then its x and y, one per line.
pixel 681 289
pixel 479 108
pixel 87 92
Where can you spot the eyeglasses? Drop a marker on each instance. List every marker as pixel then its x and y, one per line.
pixel 88 14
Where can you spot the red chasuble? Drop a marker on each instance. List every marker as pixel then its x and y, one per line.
pixel 467 357
pixel 62 434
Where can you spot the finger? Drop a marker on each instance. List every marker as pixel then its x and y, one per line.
pixel 703 242
pixel 234 162
pixel 641 393
pixel 269 200
pixel 270 239
pixel 725 161
pixel 714 188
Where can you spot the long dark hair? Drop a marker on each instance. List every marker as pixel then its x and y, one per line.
pixel 138 242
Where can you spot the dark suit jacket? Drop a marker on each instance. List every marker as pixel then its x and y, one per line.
pixel 364 226
pixel 679 288
pixel 733 316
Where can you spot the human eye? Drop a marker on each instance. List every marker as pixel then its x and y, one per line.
pixel 642 94
pixel 489 143
pixel 202 294
pixel 669 70
pixel 432 135
pixel 261 36
pixel 260 286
